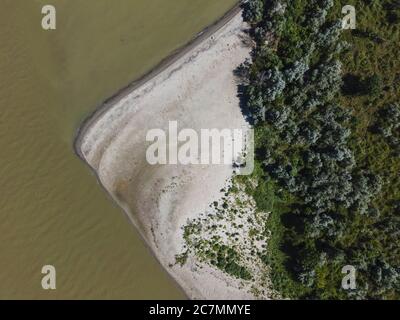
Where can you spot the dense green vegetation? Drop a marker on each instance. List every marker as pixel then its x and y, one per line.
pixel 325 106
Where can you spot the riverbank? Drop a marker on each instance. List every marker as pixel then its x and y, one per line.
pixel 159 68
pixel 197 88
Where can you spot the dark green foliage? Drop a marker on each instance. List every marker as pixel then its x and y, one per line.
pixel 336 206
pixel 226 260
pixel 373 85
pixel 253 12
pixel 354 85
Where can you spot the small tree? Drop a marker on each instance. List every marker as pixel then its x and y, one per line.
pixel 373 85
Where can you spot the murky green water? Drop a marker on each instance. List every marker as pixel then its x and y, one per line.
pixel 52 210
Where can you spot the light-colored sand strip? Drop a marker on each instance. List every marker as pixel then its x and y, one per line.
pixel 198 90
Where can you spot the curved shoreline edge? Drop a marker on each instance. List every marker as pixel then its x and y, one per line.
pixel 109 103
pixel 152 73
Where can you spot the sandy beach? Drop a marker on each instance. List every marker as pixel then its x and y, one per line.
pixel 197 88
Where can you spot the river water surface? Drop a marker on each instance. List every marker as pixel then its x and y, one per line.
pixel 52 211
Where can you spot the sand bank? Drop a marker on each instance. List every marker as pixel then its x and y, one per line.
pixel 196 88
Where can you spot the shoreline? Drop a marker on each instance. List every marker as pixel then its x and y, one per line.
pixel 92 120
pixel 135 84
pixel 152 73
